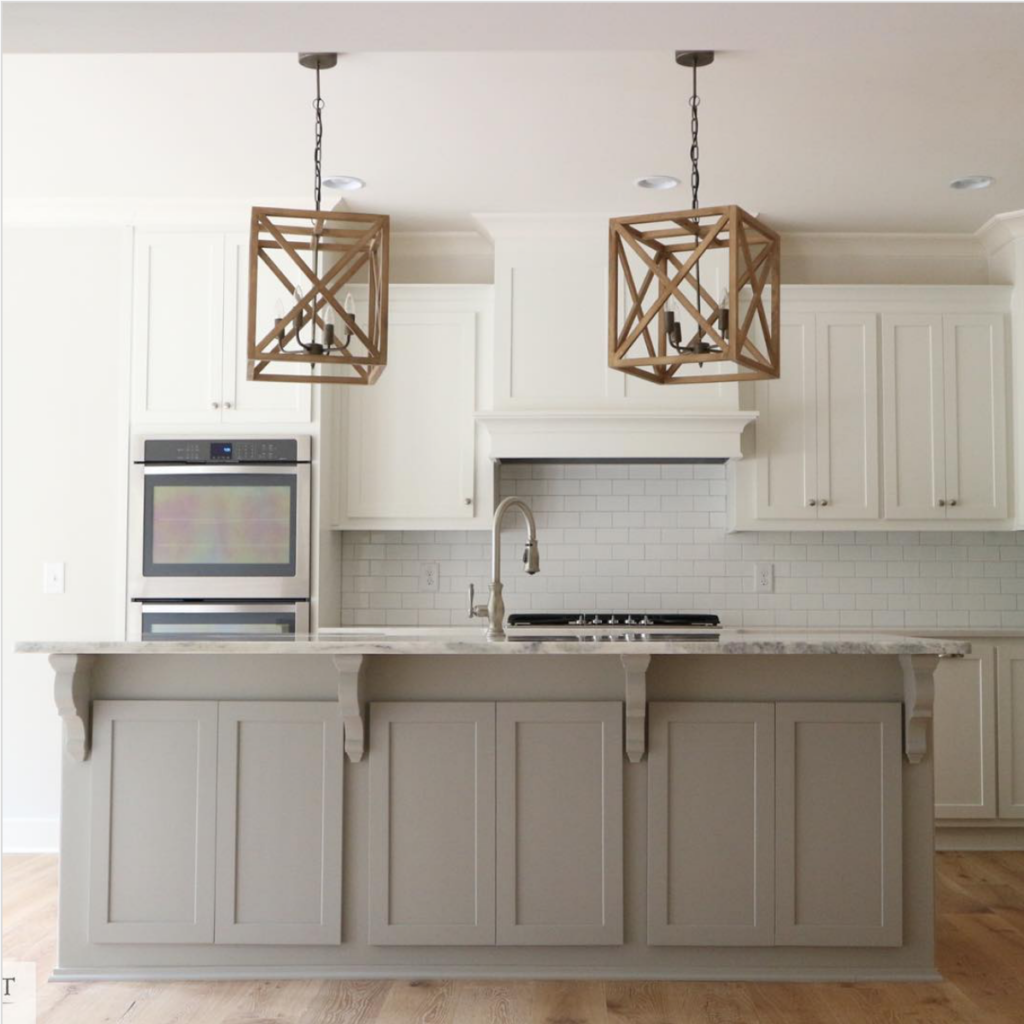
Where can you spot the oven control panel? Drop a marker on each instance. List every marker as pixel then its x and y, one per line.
pixel 198 451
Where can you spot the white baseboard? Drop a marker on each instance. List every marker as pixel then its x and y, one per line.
pixel 31 835
pixel 524 973
pixel 978 838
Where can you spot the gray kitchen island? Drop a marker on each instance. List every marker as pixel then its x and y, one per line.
pixel 440 805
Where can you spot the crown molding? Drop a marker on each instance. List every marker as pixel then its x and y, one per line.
pixel 1000 230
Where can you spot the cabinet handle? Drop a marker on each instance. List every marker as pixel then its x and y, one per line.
pixel 824 501
pixel 952 501
pixel 942 502
pixel 216 405
pixel 812 502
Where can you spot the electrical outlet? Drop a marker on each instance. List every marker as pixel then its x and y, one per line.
pixel 764 577
pixel 430 573
pixel 53 577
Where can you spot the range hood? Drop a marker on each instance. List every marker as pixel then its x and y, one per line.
pixel 653 435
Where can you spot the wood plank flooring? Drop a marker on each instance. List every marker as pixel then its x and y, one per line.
pixel 981 955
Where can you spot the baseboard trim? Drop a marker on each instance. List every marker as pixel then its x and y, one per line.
pixel 31 835
pixel 440 973
pixel 950 838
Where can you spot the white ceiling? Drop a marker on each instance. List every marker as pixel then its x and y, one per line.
pixel 822 117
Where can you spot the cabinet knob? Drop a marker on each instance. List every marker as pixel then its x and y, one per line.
pixel 216 405
pixel 467 501
pixel 812 502
pixel 824 501
pixel 952 501
pixel 227 405
pixel 942 502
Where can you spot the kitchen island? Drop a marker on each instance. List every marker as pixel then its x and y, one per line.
pixel 434 804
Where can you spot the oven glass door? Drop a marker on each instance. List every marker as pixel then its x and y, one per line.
pixel 219 524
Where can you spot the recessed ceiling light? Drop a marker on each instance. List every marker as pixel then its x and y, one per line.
pixel 971 181
pixel 344 183
pixel 657 181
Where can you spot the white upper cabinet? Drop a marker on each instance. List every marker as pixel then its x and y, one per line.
pixel 189 335
pixel 944 400
pixel 891 409
pixel 817 433
pixel 408 451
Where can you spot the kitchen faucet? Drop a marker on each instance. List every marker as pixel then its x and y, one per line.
pixel 494 610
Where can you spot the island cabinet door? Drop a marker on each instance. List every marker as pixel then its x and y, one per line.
pixel 1010 689
pixel 559 824
pixel 154 771
pixel 839 824
pixel 432 824
pixel 279 817
pixel 710 825
pixel 965 735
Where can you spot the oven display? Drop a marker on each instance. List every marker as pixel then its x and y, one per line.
pixel 221 450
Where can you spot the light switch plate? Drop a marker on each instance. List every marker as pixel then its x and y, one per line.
pixel 764 577
pixel 53 577
pixel 430 573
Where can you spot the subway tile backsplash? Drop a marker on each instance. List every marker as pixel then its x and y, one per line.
pixel 653 537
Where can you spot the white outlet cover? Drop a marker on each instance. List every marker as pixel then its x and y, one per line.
pixel 430 573
pixel 53 577
pixel 764 577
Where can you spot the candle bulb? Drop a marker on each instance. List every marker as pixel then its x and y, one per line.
pixel 350 309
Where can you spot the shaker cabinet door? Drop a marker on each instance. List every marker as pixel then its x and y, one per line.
pixel 913 403
pixel 559 824
pixel 710 824
pixel 431 824
pixel 847 411
pixel 177 324
pixel 838 806
pixel 974 366
pixel 787 428
pixel 279 821
pixel 154 770
pixel 1010 690
pixel 965 735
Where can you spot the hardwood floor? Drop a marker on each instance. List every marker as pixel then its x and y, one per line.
pixel 981 955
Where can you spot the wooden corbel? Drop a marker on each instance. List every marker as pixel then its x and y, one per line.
pixel 635 666
pixel 918 700
pixel 351 670
pixel 72 695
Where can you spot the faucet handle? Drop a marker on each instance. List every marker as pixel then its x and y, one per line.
pixel 476 611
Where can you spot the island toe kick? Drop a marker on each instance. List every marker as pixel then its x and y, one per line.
pixel 335 812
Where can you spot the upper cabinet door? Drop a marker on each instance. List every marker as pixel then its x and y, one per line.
pixel 787 474
pixel 913 431
pixel 247 401
pixel 975 390
pixel 847 408
pixel 279 819
pixel 559 824
pixel 177 327
pixel 410 440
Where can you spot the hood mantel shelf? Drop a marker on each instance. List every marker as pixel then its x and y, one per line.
pixel 612 434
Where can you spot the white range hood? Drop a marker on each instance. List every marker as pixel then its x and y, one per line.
pixel 590 435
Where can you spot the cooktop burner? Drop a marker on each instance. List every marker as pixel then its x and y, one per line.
pixel 690 619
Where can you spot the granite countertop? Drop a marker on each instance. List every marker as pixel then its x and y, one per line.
pixel 462 641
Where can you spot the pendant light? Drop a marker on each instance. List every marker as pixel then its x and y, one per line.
pixel 305 269
pixel 694 288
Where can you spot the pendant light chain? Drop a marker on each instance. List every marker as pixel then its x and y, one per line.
pixel 318 106
pixel 694 145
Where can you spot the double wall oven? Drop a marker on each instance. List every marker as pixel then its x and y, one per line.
pixel 219 538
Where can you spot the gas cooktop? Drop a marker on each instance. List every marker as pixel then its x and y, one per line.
pixel 691 620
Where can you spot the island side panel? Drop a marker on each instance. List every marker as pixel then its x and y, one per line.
pixel 312 677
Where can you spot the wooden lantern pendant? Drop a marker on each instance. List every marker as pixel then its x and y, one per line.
pixel 318 259
pixel 694 288
pixel 314 263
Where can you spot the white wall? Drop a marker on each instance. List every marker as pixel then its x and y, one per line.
pixel 64 471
